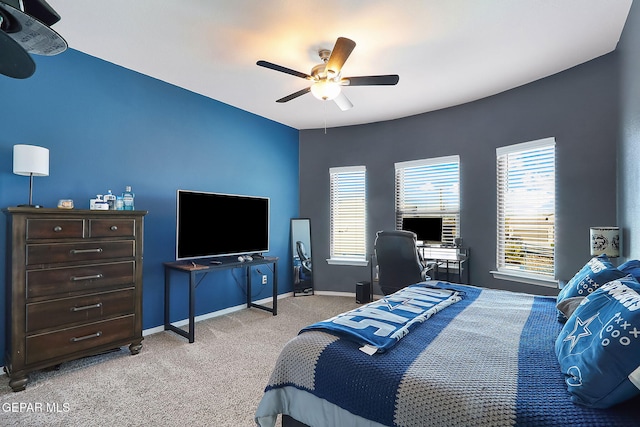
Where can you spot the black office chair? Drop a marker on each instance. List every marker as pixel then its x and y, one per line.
pixel 304 258
pixel 399 262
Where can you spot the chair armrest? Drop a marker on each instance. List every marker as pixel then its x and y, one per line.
pixel 428 267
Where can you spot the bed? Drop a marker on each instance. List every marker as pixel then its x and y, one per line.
pixel 488 359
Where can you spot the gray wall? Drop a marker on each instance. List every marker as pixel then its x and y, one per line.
pixel 579 107
pixel 629 157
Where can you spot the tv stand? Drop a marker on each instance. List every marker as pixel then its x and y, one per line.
pixel 202 267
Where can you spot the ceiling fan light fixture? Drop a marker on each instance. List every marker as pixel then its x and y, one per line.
pixel 325 90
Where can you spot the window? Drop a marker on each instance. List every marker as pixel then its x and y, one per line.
pixel 526 212
pixel 348 215
pixel 430 188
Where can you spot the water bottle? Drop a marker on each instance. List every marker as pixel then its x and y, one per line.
pixel 128 199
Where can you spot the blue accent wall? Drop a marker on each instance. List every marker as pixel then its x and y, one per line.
pixel 107 127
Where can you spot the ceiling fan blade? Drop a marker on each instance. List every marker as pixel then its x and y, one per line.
pixel 339 55
pixel 294 95
pixel 385 80
pixel 34 36
pixel 42 11
pixel 282 69
pixel 15 61
pixel 343 102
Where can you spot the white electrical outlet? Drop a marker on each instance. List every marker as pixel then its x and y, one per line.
pixel 264 279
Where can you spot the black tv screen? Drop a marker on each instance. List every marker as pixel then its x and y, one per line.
pixel 215 224
pixel 427 229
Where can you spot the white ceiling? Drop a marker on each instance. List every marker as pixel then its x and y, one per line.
pixel 446 52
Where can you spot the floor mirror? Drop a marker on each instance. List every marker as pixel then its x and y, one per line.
pixel 302 257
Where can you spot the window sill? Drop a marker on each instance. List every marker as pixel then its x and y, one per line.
pixel 525 278
pixel 348 261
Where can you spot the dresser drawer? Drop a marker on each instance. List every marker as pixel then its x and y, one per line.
pixel 55 228
pixel 112 227
pixel 81 251
pixel 78 279
pixel 67 341
pixel 90 308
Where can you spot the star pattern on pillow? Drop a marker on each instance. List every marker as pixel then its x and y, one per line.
pixel 574 336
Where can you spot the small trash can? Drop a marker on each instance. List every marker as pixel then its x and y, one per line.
pixel 364 293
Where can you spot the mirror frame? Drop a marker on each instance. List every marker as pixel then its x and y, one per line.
pixel 302 269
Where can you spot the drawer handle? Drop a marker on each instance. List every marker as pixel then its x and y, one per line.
pixel 80 278
pixel 86 307
pixel 85 251
pixel 114 228
pixel 57 229
pixel 86 337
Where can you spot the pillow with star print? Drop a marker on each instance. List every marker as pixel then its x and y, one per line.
pixel 594 274
pixel 599 347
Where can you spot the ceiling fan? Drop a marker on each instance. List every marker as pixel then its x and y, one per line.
pixel 327 80
pixel 24 29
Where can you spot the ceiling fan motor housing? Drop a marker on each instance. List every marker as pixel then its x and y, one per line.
pixel 318 72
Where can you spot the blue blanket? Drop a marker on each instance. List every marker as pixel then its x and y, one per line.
pixel 383 323
pixel 487 360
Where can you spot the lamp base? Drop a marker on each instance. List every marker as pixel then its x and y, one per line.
pixel 30 206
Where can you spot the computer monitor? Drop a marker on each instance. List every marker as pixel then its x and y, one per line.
pixel 428 229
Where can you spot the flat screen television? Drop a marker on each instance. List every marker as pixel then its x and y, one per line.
pixel 427 229
pixel 216 224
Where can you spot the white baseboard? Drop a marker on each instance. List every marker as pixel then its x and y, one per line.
pixel 335 293
pixel 213 314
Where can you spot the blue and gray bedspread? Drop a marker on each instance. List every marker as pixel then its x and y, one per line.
pixel 485 360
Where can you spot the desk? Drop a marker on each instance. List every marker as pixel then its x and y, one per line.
pixel 448 258
pixel 203 267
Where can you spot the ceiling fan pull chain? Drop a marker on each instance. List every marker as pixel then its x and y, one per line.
pixel 324 107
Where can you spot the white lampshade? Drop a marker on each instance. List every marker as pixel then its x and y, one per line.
pixel 30 160
pixel 325 89
pixel 605 240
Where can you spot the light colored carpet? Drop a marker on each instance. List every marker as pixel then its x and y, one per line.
pixel 216 381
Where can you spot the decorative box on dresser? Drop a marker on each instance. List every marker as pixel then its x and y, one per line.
pixel 73 286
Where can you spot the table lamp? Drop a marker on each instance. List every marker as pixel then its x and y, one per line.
pixel 605 240
pixel 30 160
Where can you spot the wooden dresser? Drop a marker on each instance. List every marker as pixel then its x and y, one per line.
pixel 74 286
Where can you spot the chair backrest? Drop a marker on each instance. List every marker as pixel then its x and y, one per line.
pixel 302 252
pixel 304 257
pixel 399 262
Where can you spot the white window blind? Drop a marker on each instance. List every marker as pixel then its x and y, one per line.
pixel 526 208
pixel 348 213
pixel 430 188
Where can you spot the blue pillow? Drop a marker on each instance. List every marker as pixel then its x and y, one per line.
pixel 599 347
pixel 631 267
pixel 594 274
